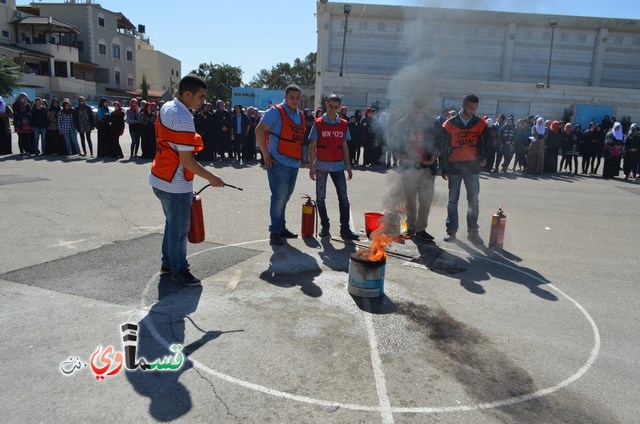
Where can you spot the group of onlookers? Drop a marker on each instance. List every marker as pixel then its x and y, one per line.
pixel 53 129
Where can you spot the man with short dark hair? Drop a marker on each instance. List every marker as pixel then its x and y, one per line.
pixel 329 156
pixel 285 126
pixel 172 172
pixel 464 140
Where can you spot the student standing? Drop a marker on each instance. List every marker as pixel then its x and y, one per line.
pixel 329 156
pixel 172 173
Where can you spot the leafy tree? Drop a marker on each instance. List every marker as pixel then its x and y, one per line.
pixel 303 72
pixel 10 75
pixel 220 78
pixel 145 88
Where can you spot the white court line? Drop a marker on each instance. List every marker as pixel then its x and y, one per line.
pixel 425 410
pixel 378 371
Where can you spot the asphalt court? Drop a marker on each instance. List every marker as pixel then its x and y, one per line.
pixel 542 332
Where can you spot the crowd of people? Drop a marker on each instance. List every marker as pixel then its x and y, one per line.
pixel 530 145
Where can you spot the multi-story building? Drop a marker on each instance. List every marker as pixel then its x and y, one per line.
pixel 160 71
pixel 516 63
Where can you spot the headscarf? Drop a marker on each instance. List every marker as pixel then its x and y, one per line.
pixel 489 122
pixel 219 105
pixel 555 126
pixel 3 105
pixel 617 131
pixel 631 128
pixel 133 105
pixel 319 112
pixel 383 120
pixel 540 128
pixel 367 111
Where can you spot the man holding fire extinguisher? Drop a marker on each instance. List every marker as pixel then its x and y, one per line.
pixel 329 156
pixel 172 172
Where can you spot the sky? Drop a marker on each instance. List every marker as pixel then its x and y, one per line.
pixel 258 34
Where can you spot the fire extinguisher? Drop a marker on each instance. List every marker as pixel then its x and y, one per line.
pixel 308 216
pixel 196 229
pixel 498 224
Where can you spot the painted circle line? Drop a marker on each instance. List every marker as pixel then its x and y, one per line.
pixel 424 410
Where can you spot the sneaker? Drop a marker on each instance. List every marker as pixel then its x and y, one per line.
pixel 185 278
pixel 275 239
pixel 475 239
pixel 288 234
pixel 424 236
pixel 324 233
pixel 349 235
pixel 450 238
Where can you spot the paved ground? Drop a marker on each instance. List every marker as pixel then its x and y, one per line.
pixel 548 331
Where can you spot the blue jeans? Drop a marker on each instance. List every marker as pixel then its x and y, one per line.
pixel 135 141
pixel 177 212
pixel 282 181
pixel 71 138
pixel 472 186
pixel 340 181
pixel 40 133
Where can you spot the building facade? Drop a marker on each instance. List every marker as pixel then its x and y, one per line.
pixel 516 63
pixel 161 71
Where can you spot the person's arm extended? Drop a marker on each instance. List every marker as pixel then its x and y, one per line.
pixel 189 162
pixel 347 161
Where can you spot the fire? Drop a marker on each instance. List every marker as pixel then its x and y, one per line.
pixel 379 242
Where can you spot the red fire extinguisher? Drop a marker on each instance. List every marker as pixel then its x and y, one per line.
pixel 196 229
pixel 498 224
pixel 308 216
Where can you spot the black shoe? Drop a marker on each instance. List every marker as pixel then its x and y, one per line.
pixel 324 233
pixel 165 269
pixel 475 239
pixel 275 240
pixel 185 278
pixel 450 238
pixel 423 235
pixel 349 235
pixel 288 234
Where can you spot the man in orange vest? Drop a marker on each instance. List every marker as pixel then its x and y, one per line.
pixel 465 136
pixel 329 156
pixel 284 125
pixel 172 172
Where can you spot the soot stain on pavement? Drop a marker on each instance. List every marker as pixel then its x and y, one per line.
pixel 488 375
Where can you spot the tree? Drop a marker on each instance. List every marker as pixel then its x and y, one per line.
pixel 145 88
pixel 10 75
pixel 303 72
pixel 220 79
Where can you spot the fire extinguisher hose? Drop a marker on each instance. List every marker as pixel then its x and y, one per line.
pixel 225 184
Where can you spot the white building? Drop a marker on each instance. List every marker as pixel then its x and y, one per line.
pixel 516 63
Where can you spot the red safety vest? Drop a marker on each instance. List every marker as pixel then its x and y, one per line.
pixel 464 142
pixel 166 162
pixel 330 139
pixel 291 135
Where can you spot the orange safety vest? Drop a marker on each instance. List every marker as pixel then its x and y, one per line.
pixel 291 135
pixel 464 142
pixel 167 160
pixel 330 139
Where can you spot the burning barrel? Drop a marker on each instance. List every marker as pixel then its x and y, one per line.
pixel 366 275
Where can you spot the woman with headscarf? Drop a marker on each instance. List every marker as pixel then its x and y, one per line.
pixel 55 140
pixel 537 148
pixel 133 121
pixel 5 128
pixel 67 128
pixel 86 123
pixel 631 146
pixel 613 145
pixel 587 147
pixel 369 126
pixel 117 129
pixel 22 124
pixel 569 144
pixel 553 147
pixel 222 130
pixel 103 124
pixel 521 144
pixel 147 131
pixel 250 142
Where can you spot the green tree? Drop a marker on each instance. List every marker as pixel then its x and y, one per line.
pixel 10 75
pixel 145 88
pixel 302 72
pixel 220 78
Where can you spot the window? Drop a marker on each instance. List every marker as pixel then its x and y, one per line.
pixel 115 51
pixel 5 34
pixel 130 82
pixel 80 46
pixel 100 21
pixel 117 78
pixel 102 49
pixel 129 55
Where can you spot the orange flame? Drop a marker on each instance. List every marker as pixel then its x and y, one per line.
pixel 379 242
